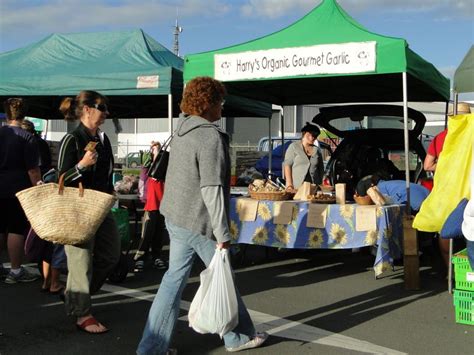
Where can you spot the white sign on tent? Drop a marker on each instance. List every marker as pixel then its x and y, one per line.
pixel 344 58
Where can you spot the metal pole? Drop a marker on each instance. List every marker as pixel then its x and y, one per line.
pixel 450 265
pixel 406 140
pixel 270 146
pixel 170 113
pixel 282 129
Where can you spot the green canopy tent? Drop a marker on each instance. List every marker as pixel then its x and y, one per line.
pixel 325 57
pixel 141 78
pixel 464 75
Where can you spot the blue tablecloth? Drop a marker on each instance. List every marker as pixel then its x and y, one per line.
pixel 339 231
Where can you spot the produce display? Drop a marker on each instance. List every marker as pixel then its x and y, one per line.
pixel 322 197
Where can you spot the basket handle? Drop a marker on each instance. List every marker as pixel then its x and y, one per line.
pixel 61 186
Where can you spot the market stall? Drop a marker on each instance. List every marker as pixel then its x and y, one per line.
pixel 325 57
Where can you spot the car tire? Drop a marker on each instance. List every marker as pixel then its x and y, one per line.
pixel 133 164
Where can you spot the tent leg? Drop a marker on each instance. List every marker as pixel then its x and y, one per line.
pixel 406 141
pixel 282 129
pixel 170 113
pixel 270 147
pixel 450 267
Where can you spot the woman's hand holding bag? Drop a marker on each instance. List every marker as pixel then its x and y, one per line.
pixel 214 308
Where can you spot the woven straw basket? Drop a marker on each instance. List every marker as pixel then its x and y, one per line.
pixel 273 195
pixel 65 215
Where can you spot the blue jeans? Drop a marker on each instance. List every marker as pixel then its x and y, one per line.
pixel 184 245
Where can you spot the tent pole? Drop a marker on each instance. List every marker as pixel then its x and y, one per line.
pixel 270 146
pixel 170 113
pixel 450 266
pixel 282 129
pixel 406 140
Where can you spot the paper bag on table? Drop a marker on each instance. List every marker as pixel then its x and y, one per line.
pixel 341 194
pixel 376 196
pixel 305 190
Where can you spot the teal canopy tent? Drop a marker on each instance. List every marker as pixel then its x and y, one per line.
pixel 140 77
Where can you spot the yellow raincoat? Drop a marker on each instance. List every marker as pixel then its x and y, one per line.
pixel 451 179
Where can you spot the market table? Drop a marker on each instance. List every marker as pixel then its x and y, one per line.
pixel 343 228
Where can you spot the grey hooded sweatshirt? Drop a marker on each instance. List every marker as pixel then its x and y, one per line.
pixel 197 189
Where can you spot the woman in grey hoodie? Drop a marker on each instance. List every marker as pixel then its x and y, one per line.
pixel 196 209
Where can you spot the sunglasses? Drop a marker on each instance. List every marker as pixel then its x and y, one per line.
pixel 100 107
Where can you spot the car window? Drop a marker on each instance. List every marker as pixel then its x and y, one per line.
pixel 398 158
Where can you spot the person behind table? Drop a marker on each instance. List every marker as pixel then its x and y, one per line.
pixel 303 159
pixel 196 209
pixel 19 170
pixel 89 264
pixel 51 274
pixel 154 230
pixel 395 189
pixel 436 146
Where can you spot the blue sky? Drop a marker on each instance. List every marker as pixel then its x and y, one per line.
pixel 441 31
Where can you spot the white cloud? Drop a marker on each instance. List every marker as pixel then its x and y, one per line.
pixel 441 9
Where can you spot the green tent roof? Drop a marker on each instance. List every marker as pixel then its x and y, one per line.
pixel 464 75
pixel 133 70
pixel 329 24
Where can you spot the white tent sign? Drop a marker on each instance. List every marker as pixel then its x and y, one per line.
pixel 344 58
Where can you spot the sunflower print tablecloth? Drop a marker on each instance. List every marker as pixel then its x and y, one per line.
pixel 339 231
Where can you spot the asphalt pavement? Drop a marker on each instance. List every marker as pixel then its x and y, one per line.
pixel 309 301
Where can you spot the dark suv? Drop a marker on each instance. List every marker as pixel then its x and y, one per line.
pixel 372 141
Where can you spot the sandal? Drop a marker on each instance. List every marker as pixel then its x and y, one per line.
pixel 88 322
pixel 139 266
pixel 160 264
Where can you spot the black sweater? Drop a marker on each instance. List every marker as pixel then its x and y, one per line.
pixel 97 177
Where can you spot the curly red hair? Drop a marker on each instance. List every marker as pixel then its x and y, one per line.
pixel 200 94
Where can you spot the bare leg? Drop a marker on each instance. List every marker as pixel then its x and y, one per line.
pixel 46 276
pixel 56 285
pixel 444 250
pixel 15 244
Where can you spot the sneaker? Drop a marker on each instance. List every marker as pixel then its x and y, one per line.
pixel 23 276
pixel 139 266
pixel 160 264
pixel 257 341
pixel 3 272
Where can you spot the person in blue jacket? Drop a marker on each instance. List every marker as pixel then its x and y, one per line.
pixel 395 189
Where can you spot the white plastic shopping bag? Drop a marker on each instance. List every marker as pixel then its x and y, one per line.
pixel 214 308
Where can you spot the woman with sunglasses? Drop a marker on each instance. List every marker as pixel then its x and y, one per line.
pixel 89 264
pixel 303 159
